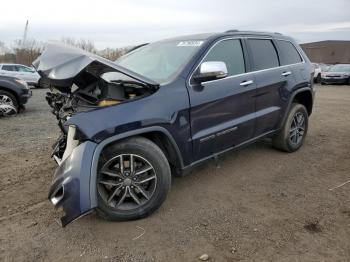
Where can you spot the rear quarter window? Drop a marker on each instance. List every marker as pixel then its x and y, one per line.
pixel 288 53
pixel 263 53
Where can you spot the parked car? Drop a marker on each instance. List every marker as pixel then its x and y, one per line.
pixel 23 72
pixel 164 108
pixel 14 93
pixel 317 72
pixel 337 74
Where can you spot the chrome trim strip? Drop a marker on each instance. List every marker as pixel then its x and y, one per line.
pixel 246 73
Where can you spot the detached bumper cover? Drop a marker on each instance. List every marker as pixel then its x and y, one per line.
pixel 70 188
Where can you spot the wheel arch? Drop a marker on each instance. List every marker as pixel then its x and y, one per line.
pixel 303 96
pixel 11 92
pixel 159 135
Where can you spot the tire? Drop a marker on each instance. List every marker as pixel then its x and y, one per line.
pixel 349 81
pixel 318 78
pixel 292 135
pixel 10 99
pixel 150 194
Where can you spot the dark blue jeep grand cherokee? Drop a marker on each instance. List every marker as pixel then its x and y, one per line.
pixel 162 108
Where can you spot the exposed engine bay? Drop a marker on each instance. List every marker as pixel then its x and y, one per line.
pixel 99 93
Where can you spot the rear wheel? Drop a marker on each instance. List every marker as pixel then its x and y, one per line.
pixel 318 78
pixel 133 180
pixel 293 133
pixel 8 103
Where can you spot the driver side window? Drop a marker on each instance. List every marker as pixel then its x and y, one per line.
pixel 230 52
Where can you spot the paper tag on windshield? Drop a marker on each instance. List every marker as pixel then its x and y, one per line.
pixel 190 43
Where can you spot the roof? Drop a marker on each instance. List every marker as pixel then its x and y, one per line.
pixel 206 36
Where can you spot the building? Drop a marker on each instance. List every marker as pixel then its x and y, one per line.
pixel 328 52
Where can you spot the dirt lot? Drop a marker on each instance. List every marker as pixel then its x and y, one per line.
pixel 259 205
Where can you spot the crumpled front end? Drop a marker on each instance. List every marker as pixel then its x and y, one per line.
pixel 70 188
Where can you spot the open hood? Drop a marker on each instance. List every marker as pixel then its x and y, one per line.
pixel 60 66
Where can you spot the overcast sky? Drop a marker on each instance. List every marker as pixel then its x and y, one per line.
pixel 113 23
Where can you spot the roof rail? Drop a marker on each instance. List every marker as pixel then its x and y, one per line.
pixel 232 31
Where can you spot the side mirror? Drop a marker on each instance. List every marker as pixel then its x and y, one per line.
pixel 211 70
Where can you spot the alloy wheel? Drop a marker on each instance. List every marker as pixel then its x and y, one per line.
pixel 6 106
pixel 297 129
pixel 127 181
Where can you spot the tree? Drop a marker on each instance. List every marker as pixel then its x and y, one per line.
pixel 86 45
pixel 28 52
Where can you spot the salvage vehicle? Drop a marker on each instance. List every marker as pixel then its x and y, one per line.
pixel 14 93
pixel 337 74
pixel 161 109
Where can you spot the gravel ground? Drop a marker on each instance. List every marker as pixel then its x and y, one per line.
pixel 258 205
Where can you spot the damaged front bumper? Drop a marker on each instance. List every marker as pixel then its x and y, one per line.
pixel 70 188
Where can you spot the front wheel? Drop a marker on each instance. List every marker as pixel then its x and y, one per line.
pixel 8 104
pixel 292 135
pixel 133 180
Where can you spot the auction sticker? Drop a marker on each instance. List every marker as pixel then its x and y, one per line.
pixel 190 43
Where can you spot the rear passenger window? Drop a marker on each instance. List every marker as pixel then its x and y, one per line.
pixel 9 68
pixel 264 54
pixel 230 52
pixel 289 54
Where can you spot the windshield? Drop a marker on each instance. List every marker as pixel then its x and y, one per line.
pixel 161 60
pixel 340 68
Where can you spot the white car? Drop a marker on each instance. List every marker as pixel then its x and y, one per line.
pixel 23 72
pixel 317 72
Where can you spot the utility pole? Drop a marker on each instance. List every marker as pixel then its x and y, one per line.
pixel 25 35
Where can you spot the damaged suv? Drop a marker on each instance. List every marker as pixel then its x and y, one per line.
pixel 162 108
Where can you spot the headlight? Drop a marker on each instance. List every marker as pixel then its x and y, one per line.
pixel 23 83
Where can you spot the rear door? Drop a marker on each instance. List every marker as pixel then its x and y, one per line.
pixel 272 81
pixel 222 111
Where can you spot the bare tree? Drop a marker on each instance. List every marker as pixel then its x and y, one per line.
pixel 113 53
pixel 86 45
pixel 28 52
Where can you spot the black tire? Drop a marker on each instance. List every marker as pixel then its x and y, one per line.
pixel 318 79
pixel 147 150
pixel 349 81
pixel 11 97
pixel 285 140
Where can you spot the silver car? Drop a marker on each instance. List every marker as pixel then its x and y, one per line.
pixel 23 72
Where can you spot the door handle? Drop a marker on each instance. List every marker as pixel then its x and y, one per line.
pixel 246 83
pixel 286 73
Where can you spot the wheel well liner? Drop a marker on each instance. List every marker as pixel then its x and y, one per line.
pixel 304 98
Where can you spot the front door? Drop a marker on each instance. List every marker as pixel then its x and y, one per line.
pixel 222 111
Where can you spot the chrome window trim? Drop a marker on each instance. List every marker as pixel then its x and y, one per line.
pixel 246 73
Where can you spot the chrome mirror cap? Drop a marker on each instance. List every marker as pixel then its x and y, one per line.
pixel 211 70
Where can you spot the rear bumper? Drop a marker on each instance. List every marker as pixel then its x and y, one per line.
pixel 70 188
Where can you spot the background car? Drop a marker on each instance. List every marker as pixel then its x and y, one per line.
pixel 23 72
pixel 14 93
pixel 317 72
pixel 337 74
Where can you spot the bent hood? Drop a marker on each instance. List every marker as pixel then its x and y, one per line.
pixel 59 66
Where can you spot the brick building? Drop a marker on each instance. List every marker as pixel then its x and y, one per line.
pixel 328 52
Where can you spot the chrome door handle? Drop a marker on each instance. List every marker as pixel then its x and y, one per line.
pixel 286 73
pixel 246 83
